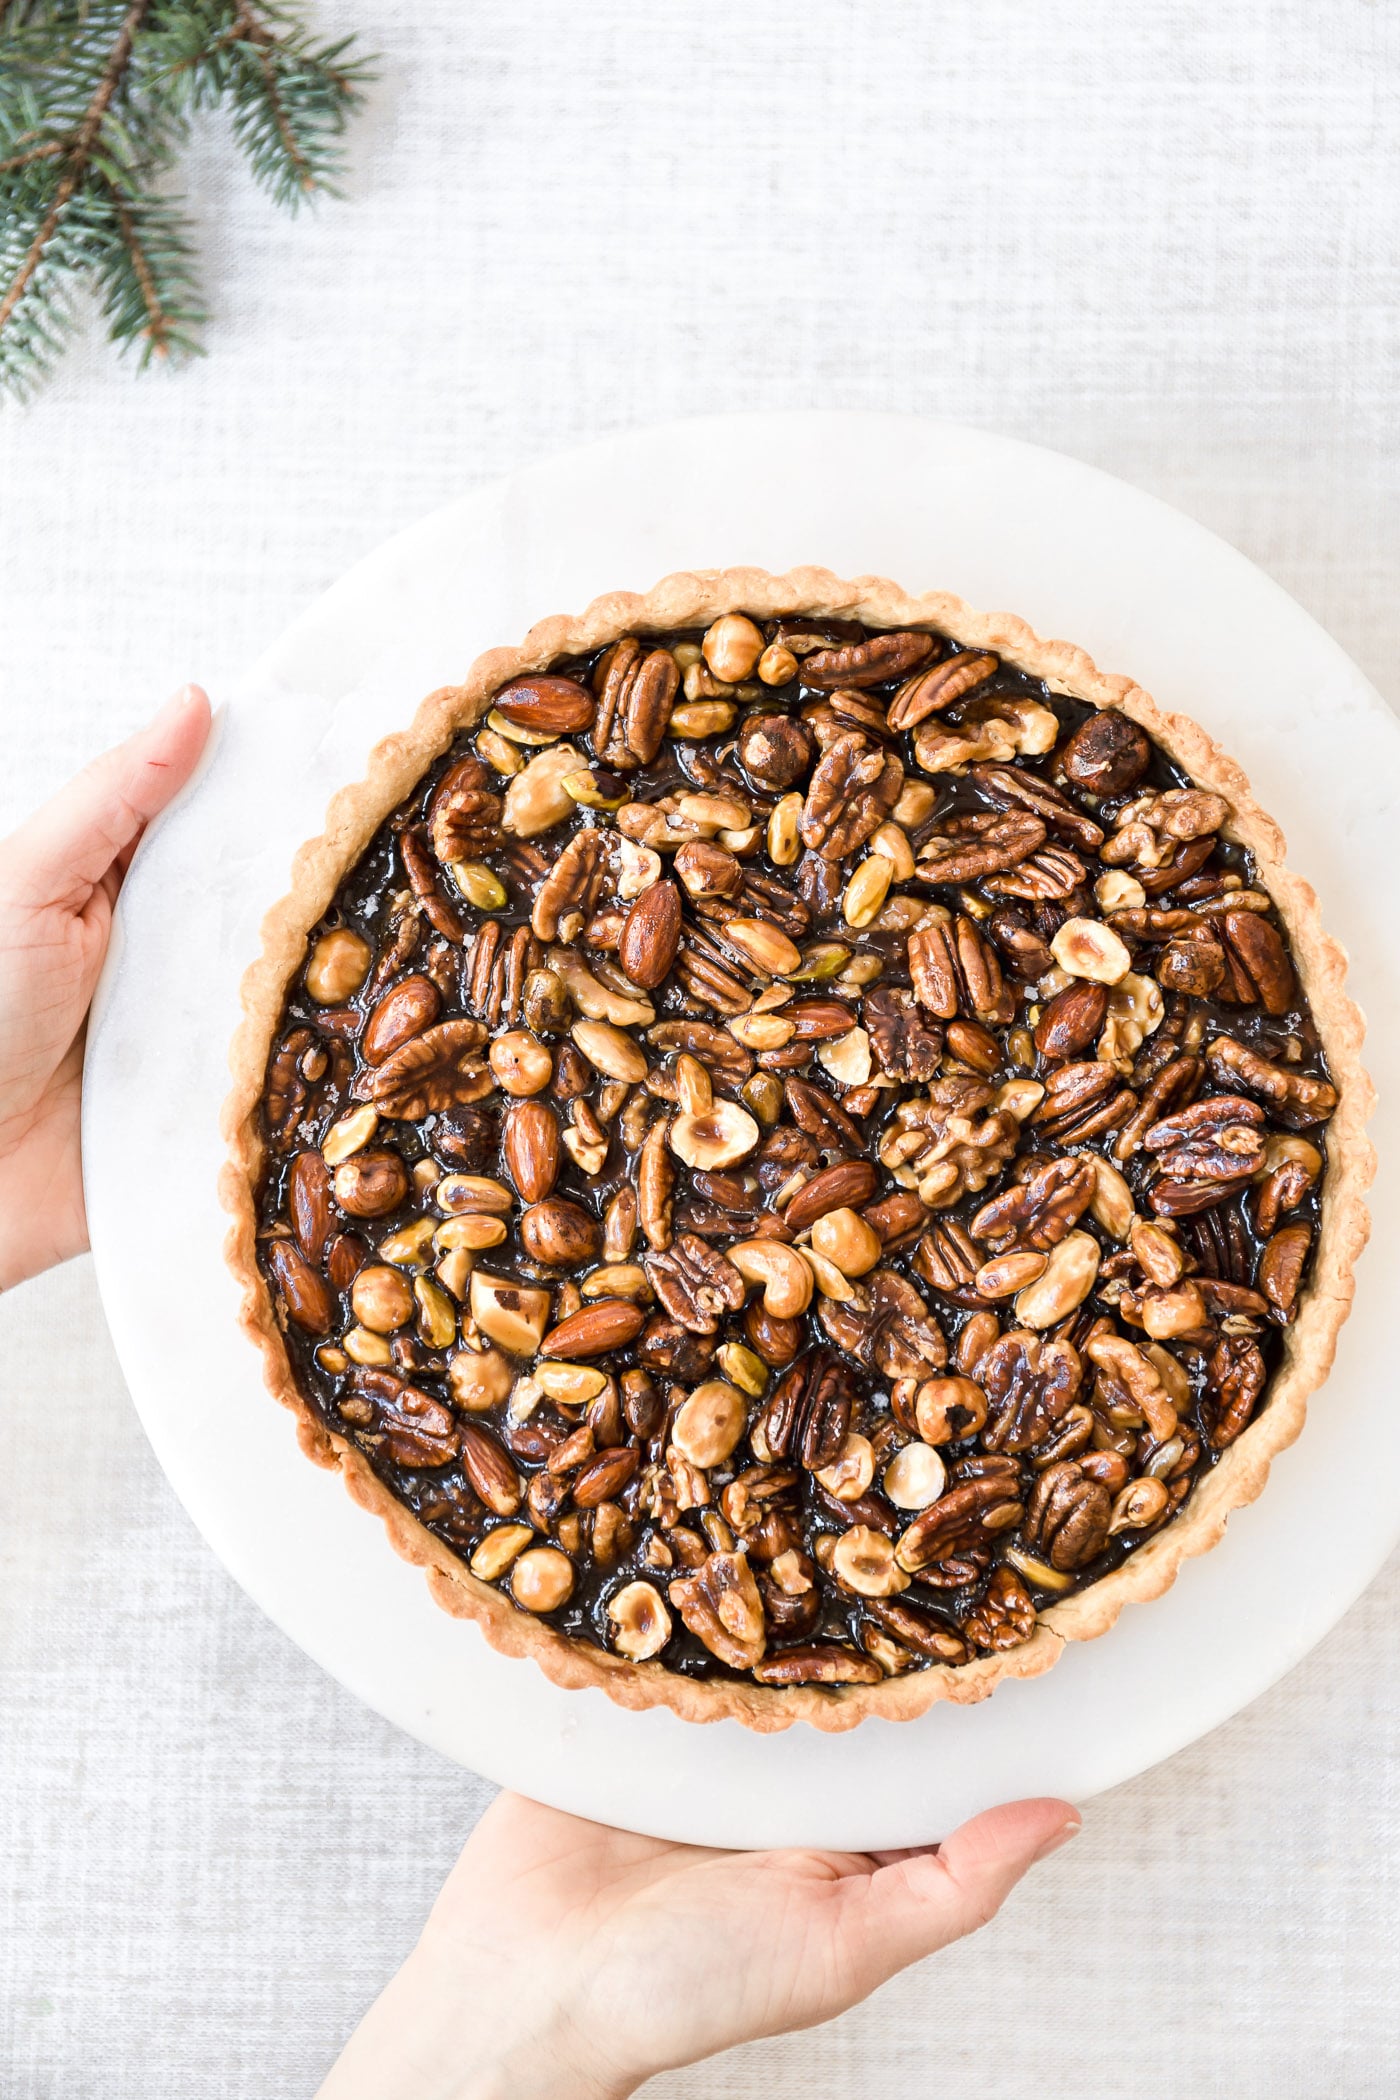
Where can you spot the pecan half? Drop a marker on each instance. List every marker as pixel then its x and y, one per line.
pixel 1082 1101
pixel 906 1046
pixel 695 1283
pixel 1234 1380
pixel 1030 1384
pixel 954 970
pixel 570 890
pixel 498 968
pixel 872 662
pixel 930 691
pixel 852 791
pixel 964 1518
pixel 1067 1517
pixel 1040 1210
pixel 422 877
pixel 409 1425
pixel 810 1411
pixel 1205 1153
pixel 1007 787
pixel 464 815
pixel 1258 948
pixel 429 1073
pixel 636 691
pixel 1295 1098
pixel 1005 1617
pixel 966 848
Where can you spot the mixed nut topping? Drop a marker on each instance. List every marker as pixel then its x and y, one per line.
pixel 794 1148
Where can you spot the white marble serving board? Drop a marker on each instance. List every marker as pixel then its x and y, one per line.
pixel 934 505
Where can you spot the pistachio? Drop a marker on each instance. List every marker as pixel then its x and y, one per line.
pixel 743 1368
pixel 479 886
pixel 437 1315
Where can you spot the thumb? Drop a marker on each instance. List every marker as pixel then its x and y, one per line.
pixel 926 1900
pixel 65 848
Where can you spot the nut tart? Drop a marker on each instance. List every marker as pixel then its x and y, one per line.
pixel 798 1144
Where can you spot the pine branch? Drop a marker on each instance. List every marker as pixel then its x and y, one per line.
pixel 95 97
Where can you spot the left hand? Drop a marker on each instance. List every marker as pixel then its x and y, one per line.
pixel 59 878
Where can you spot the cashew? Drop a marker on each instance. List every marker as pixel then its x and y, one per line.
pixel 785 1276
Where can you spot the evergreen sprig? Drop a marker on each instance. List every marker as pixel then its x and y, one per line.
pixel 96 97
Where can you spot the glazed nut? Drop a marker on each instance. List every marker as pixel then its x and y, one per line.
pixel 786 1278
pixel 381 1300
pixel 453 1271
pixel 1119 891
pixel 698 718
pixel 513 1314
pixel 498 1549
pixel 542 1579
pixel 777 665
pixel 863 1559
pixel 479 1378
pixel 497 752
pixel 521 1064
pixel 1111 1204
pixel 891 840
pixel 766 947
pixel 948 1408
pixel 868 888
pixel 478 885
pixel 1008 1273
pixel 1088 948
pixel 743 1368
pixel 537 799
pixel 1065 1283
pixel 843 1237
pixel 370 1184
pixel 851 1471
pixel 715 1137
pixel 572 1385
pixel 1140 1503
pixel 337 966
pixel 915 1477
pixel 710 1423
pixel 474 1192
pixel 639 1621
pixel 364 1347
pixel 847 1057
pixel 732 648
pixel 349 1134
pixel 472 1230
pixel 784 839
pixel 762 1031
pixel 437 1316
pixel 618 1279
pixel 411 1247
pixel 610 1051
pixel 694 1090
pixel 830 1281
pixel 1157 1253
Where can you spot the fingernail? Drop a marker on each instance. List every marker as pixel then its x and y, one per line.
pixel 1062 1836
pixel 175 706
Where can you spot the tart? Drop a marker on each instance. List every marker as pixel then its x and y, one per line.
pixel 798 1144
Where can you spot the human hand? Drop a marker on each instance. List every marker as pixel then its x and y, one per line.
pixel 566 1961
pixel 59 877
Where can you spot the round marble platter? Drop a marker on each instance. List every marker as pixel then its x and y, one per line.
pixel 1005 525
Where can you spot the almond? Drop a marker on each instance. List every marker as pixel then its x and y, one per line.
pixel 592 1331
pixel 405 1012
pixel 845 1186
pixel 555 706
pixel 530 1148
pixel 1072 1019
pixel 651 934
pixel 489 1470
pixel 814 1020
pixel 605 1476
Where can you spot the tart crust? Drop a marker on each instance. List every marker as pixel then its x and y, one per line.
pixel 693 599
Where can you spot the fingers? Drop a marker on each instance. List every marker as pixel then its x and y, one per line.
pixel 70 844
pixel 925 1900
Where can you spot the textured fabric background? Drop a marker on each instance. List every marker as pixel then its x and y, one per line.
pixel 1160 236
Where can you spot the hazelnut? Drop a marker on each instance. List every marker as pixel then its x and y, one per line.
pixel 1088 948
pixel 371 1184
pixel 777 665
pixel 381 1300
pixel 337 967
pixel 641 1622
pixel 851 1471
pixel 718 1136
pixel 710 1423
pixel 732 648
pixel 513 1314
pixel 542 1579
pixel 521 1063
pixel 948 1408
pixel 708 870
pixel 863 1558
pixel 775 749
pixel 842 1236
pixel 1119 891
pixel 479 1378
pixel 560 1233
pixel 915 1477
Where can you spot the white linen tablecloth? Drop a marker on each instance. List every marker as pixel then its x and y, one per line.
pixel 1160 236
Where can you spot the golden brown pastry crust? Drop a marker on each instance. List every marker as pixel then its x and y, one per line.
pixel 693 600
